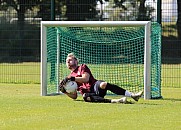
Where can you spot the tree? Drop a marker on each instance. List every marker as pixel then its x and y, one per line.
pixel 81 9
pixel 132 9
pixel 20 6
pixel 45 12
pixel 144 12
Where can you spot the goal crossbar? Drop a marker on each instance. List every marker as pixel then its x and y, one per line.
pixel 93 23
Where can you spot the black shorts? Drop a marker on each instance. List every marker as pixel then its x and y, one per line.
pixel 97 90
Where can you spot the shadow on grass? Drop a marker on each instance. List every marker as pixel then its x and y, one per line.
pixel 146 103
pixel 172 99
pixel 79 100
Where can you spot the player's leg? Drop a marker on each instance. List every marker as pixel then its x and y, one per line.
pixel 120 91
pixel 92 97
pixel 98 94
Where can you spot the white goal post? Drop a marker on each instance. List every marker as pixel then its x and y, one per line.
pixel 147 47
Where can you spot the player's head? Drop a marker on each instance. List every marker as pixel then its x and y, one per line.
pixel 71 61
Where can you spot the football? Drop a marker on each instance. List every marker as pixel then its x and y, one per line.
pixel 70 86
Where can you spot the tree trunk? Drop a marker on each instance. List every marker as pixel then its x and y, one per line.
pixel 142 11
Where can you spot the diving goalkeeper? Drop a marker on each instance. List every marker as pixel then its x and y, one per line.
pixel 93 90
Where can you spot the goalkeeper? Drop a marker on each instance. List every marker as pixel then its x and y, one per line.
pixel 93 90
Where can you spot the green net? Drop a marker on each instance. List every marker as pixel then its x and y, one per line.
pixel 114 54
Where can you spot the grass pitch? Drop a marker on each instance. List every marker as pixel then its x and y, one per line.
pixel 22 107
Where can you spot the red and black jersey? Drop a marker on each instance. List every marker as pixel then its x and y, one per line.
pixel 83 87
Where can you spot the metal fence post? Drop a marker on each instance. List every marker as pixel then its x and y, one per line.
pixel 159 11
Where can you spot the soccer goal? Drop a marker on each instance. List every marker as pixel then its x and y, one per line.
pixel 126 53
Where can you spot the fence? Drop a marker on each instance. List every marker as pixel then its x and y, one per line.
pixel 20 32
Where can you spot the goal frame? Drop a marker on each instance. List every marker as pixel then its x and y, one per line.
pixel 147 47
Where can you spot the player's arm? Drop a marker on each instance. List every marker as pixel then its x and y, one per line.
pixel 72 95
pixel 83 79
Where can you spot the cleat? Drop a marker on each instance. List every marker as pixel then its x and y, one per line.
pixel 121 100
pixel 136 96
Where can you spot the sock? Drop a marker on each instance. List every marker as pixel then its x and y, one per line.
pixel 115 89
pixel 99 99
pixel 128 94
pixel 114 100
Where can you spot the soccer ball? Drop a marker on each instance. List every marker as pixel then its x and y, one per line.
pixel 70 86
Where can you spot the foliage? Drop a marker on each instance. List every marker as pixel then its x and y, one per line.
pixel 10 48
pixel 78 9
pixel 81 9
pixel 119 10
pixel 18 4
pixel 130 10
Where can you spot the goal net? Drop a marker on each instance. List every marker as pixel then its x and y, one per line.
pixel 126 53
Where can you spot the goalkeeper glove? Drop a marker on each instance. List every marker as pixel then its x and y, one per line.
pixel 62 89
pixel 64 81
